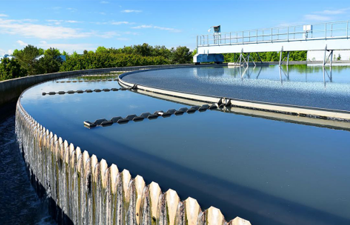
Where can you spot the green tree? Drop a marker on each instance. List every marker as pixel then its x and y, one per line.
pixel 27 58
pixel 194 52
pixel 161 51
pixel 181 54
pixel 339 57
pixel 50 63
pixel 11 68
pixel 144 49
pixel 52 52
pixel 65 53
pixel 101 49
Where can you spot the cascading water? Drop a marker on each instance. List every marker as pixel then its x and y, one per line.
pixel 83 190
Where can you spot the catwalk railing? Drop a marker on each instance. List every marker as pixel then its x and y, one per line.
pixel 322 31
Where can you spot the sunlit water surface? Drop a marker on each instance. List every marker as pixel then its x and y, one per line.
pixel 301 85
pixel 267 171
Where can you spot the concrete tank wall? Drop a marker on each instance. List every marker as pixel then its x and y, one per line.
pixel 85 190
pixel 11 89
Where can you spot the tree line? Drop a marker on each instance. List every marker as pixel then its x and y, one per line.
pixel 26 61
pixel 268 56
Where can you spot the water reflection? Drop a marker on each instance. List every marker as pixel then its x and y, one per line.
pixel 286 73
pixel 244 165
pixel 301 85
pixel 328 74
pixel 208 72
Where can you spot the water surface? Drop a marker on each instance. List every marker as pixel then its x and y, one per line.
pixel 19 203
pixel 267 171
pixel 301 85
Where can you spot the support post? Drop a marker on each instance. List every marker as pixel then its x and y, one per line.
pixel 325 54
pixel 259 58
pixel 271 34
pixel 332 30
pixel 240 58
pixel 331 60
pixel 281 56
pixel 324 77
pixel 242 37
pixel 248 60
pixel 294 33
pixel 287 60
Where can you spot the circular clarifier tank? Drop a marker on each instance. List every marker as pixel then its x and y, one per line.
pixel 266 170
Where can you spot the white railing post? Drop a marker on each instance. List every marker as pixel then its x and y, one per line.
pixel 242 37
pixel 257 36
pixel 263 34
pixel 332 30
pixel 325 31
pixel 294 33
pixel 271 34
pixel 230 39
pixel 288 35
pixel 347 29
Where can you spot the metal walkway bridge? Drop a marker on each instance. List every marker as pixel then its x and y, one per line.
pixel 325 37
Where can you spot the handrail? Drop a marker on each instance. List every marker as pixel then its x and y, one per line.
pixel 321 31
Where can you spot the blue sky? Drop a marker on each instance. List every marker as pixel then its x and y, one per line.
pixel 77 25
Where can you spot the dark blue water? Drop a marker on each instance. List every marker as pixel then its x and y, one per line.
pixel 19 203
pixel 269 172
pixel 301 85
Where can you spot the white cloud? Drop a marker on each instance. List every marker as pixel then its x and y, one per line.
pixel 120 22
pixel 131 11
pixel 22 43
pixel 167 28
pixel 316 17
pixel 67 47
pixel 109 34
pixel 99 23
pixel 112 23
pixel 142 27
pixel 156 27
pixel 71 21
pixel 71 10
pixel 48 32
pixel 326 15
pixel 3 52
pixel 334 12
pixel 131 33
pixel 3 15
pixel 28 29
pixel 58 22
pixel 123 39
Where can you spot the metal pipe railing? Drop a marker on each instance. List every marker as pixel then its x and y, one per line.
pixel 330 30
